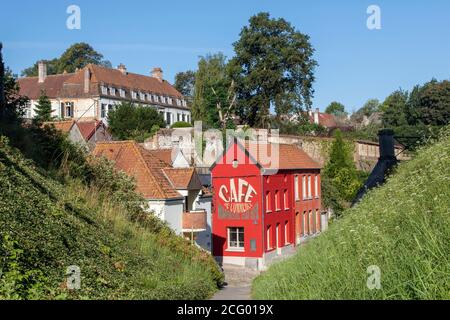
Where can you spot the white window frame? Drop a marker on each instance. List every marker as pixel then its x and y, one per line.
pixel 268 237
pixel 286 199
pixel 316 186
pixel 122 93
pixel 296 191
pixel 104 89
pixel 268 202
pixel 133 95
pixel 286 234
pixel 277 200
pixel 238 247
pixel 309 187
pixel 112 91
pixel 304 194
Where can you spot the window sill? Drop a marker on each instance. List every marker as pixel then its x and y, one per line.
pixel 269 211
pixel 235 250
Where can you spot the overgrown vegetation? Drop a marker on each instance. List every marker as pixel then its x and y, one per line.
pixel 402 227
pixel 97 223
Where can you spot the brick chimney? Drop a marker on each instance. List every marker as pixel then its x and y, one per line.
pixel 42 71
pixel 87 79
pixel 316 116
pixel 157 73
pixel 121 67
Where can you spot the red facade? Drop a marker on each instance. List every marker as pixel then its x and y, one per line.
pixel 258 212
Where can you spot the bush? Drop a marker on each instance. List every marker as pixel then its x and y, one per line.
pixel 181 124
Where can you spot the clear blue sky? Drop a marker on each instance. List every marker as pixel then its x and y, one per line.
pixel 355 63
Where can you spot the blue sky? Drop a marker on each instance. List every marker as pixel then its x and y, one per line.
pixel 355 63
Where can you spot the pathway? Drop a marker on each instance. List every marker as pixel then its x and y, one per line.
pixel 239 283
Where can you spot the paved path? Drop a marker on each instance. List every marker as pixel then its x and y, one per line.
pixel 239 283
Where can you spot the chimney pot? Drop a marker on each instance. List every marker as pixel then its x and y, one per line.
pixel 42 71
pixel 157 73
pixel 316 116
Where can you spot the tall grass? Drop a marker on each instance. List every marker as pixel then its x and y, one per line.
pixel 402 227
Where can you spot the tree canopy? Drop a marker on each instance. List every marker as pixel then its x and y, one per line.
pixel 336 108
pixel 43 109
pixel 185 82
pixel 273 67
pixel 128 121
pixel 76 56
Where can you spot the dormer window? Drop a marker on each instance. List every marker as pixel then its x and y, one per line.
pixel 141 96
pixel 184 103
pixel 169 100
pixel 104 90
pixel 163 99
pixel 122 93
pixel 178 102
pixel 133 95
pixel 155 98
pixel 112 91
pixel 149 97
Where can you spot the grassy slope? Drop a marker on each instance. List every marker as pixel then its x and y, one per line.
pixel 46 227
pixel 403 227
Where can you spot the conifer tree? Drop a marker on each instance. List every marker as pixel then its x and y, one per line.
pixel 43 109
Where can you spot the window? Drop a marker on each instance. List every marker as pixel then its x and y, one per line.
pixel 155 98
pixel 183 117
pixel 304 225
pixel 163 99
pixel 141 96
pixel 304 187
pixel 286 232
pixel 169 100
pixel 104 90
pixel 277 201
pixel 309 188
pixel 178 102
pixel 184 103
pixel 317 220
pixel 110 107
pixel 112 91
pixel 286 200
pixel 310 222
pixel 188 118
pixel 236 238
pixel 296 188
pixel 168 118
pixel 178 117
pixel 133 95
pixel 28 110
pixel 103 110
pixel 149 97
pixel 268 204
pixel 69 109
pixel 269 238
pixel 122 93
pixel 316 186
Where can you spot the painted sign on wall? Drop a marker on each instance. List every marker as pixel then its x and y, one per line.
pixel 237 195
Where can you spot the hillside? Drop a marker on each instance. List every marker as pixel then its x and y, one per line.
pixel 402 227
pixel 47 226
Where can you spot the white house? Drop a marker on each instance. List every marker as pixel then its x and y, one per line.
pixel 175 195
pixel 90 93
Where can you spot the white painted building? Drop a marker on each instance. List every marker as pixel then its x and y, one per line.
pixel 90 93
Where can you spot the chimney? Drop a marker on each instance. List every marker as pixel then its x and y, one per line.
pixel 157 73
pixel 42 71
pixel 121 67
pixel 87 79
pixel 386 139
pixel 316 116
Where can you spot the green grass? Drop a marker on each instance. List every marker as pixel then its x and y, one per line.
pixel 46 226
pixel 402 227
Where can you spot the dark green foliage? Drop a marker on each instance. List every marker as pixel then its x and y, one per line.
pixel 43 109
pixel 185 82
pixel 371 106
pixel 129 121
pixel 273 66
pixel 336 108
pixel 181 124
pixel 212 91
pixel 76 56
pixel 340 174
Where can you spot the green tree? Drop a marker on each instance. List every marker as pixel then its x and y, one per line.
pixel 128 121
pixel 336 108
pixel 214 91
pixel 394 109
pixel 76 56
pixel 371 106
pixel 341 174
pixel 2 83
pixel 43 109
pixel 273 67
pixel 14 103
pixel 185 83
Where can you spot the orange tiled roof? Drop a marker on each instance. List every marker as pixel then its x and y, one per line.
pixel 163 154
pixel 183 178
pixel 87 128
pixel 134 160
pixel 71 85
pixel 63 126
pixel 288 156
pixel 325 119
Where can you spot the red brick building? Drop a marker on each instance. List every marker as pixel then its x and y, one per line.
pixel 261 208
